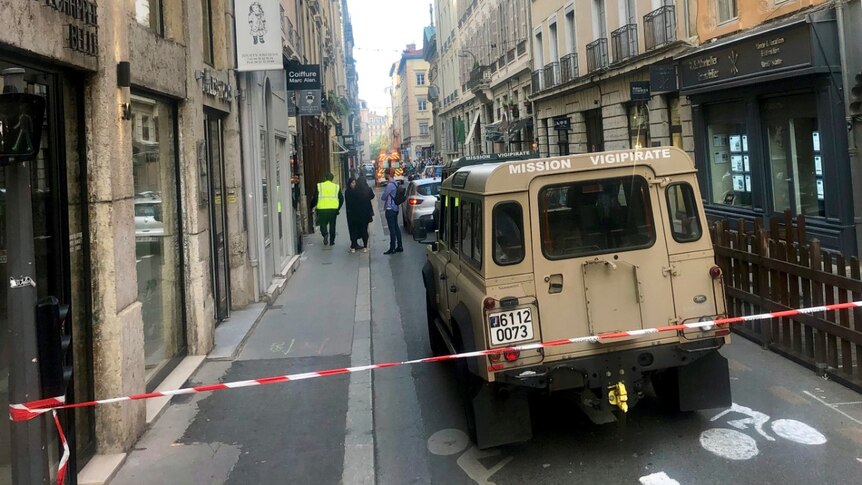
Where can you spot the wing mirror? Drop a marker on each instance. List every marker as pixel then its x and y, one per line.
pixel 425 231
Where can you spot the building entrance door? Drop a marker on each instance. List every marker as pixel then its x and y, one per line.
pixel 595 130
pixel 218 216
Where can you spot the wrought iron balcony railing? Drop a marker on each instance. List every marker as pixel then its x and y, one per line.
pixel 538 78
pixel 659 27
pixel 625 40
pixel 569 68
pixel 597 54
pixel 552 75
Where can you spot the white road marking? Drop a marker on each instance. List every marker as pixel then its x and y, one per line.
pixel 859 460
pixel 448 442
pixel 729 443
pixel 801 433
pixel 659 478
pixel 821 401
pixel 755 418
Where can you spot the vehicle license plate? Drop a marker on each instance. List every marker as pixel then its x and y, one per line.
pixel 511 326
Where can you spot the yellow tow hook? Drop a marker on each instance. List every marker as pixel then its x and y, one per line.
pixel 619 397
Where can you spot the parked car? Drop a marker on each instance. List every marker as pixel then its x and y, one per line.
pixel 421 198
pixel 432 172
pixel 148 215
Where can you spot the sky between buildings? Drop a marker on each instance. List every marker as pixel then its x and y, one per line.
pixel 381 30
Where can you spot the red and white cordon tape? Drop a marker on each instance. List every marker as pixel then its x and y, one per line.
pixel 33 409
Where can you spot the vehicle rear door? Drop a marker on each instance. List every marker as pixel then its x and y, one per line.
pixel 600 256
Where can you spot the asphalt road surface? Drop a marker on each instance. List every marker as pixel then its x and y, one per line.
pixel 787 425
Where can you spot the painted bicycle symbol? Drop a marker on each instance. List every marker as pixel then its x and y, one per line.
pixel 736 445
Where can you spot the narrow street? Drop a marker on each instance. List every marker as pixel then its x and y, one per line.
pixel 787 426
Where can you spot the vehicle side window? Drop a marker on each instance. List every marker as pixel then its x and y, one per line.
pixel 508 231
pixel 594 217
pixel 454 207
pixel 684 218
pixel 440 216
pixel 471 232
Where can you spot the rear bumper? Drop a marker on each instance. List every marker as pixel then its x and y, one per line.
pixel 601 370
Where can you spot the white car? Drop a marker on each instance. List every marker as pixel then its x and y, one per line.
pixel 421 200
pixel 148 215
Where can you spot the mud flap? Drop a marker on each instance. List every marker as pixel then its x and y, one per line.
pixel 704 384
pixel 501 418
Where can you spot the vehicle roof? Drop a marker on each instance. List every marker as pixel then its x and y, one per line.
pixel 516 176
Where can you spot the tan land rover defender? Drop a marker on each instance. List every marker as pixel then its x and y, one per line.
pixel 549 249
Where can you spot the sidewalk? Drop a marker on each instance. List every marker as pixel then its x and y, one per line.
pixel 318 431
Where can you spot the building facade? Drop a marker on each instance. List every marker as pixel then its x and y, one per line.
pixel 483 80
pixel 411 105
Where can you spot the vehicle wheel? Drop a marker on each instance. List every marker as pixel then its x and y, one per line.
pixel 468 386
pixel 438 345
pixel 666 387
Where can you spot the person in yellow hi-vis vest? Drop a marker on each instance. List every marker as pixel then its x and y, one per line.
pixel 327 201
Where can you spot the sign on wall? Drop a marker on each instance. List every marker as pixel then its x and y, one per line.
pixel 308 102
pixel 258 35
pixel 303 76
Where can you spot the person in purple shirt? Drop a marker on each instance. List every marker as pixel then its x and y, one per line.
pixel 391 210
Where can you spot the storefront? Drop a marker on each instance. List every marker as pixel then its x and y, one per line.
pixel 60 239
pixel 158 232
pixel 769 127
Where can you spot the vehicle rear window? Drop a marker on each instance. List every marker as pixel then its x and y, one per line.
pixel 684 219
pixel 428 189
pixel 597 216
pixel 508 233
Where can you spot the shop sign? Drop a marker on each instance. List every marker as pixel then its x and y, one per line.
pixel 303 76
pixel 562 123
pixel 662 78
pixel 782 50
pixel 82 34
pixel 213 87
pixel 258 35
pixel 308 102
pixel 639 90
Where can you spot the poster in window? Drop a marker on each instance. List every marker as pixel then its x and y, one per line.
pixel 818 165
pixel 815 137
pixel 719 140
pixel 739 183
pixel 820 189
pixel 745 163
pixel 744 143
pixel 736 163
pixel 748 183
pixel 720 157
pixel 735 143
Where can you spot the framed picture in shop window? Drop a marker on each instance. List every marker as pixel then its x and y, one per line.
pixel 735 143
pixel 820 192
pixel 748 183
pixel 744 143
pixel 720 157
pixel 719 140
pixel 736 163
pixel 745 163
pixel 818 165
pixel 739 183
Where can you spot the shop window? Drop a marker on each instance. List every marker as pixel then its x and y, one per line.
pixel 157 237
pixel 207 30
pixel 508 222
pixel 149 13
pixel 675 122
pixel 639 125
pixel 595 217
pixel 796 159
pixel 727 146
pixel 683 214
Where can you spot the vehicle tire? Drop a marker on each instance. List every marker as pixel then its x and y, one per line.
pixel 666 386
pixel 468 386
pixel 438 345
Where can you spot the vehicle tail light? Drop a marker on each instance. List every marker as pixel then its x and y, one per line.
pixel 512 355
pixel 715 272
pixel 413 201
pixel 495 357
pixel 722 331
pixel 490 303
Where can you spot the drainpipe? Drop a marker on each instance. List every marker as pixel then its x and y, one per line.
pixel 250 202
pixel 854 130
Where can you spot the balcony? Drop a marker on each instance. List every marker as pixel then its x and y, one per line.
pixel 569 67
pixel 538 78
pixel 625 41
pixel 659 27
pixel 597 54
pixel 480 78
pixel 552 75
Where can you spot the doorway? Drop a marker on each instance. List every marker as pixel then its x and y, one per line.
pixel 218 216
pixel 595 130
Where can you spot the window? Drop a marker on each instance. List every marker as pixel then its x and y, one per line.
pixel 420 78
pixel 594 217
pixel 600 25
pixel 206 20
pixel 471 233
pixel 684 217
pixel 508 233
pixel 428 189
pixel 675 122
pixel 639 125
pixel 440 217
pixel 149 14
pixel 725 10
pixel 423 129
pixel 571 35
pixel 423 104
pixel 727 146
pixel 628 13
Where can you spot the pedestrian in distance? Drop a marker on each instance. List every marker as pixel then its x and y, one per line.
pixel 390 206
pixel 327 201
pixel 357 201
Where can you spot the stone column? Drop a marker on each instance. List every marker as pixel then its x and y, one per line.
pixel 616 127
pixel 659 121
